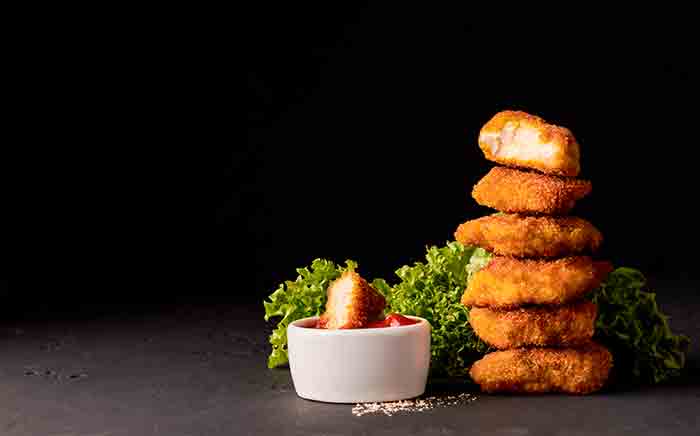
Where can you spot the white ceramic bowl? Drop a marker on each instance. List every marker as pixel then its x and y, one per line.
pixel 359 365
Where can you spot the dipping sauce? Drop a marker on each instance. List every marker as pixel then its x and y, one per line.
pixel 391 320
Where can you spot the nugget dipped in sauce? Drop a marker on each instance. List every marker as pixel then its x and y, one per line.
pixel 352 303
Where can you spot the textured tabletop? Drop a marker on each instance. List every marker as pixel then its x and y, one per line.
pixel 201 370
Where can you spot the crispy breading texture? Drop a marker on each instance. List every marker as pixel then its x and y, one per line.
pixel 529 236
pixel 541 326
pixel 539 370
pixel 507 283
pixel 352 303
pixel 510 190
pixel 519 139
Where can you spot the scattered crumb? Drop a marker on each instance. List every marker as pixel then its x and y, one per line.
pixel 411 406
pixel 53 375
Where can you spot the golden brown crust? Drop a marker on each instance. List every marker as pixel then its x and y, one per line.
pixel 364 303
pixel 567 155
pixel 510 190
pixel 507 283
pixel 538 370
pixel 529 236
pixel 553 326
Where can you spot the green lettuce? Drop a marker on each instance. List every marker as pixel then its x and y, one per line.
pixel 432 290
pixel 631 325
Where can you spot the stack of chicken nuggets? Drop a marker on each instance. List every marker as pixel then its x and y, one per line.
pixel 528 301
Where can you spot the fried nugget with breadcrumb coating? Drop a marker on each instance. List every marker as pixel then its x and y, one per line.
pixel 529 236
pixel 352 303
pixel 507 283
pixel 538 370
pixel 510 190
pixel 518 139
pixel 552 326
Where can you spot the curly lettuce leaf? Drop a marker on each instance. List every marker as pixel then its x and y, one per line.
pixel 301 298
pixel 479 259
pixel 432 290
pixel 637 333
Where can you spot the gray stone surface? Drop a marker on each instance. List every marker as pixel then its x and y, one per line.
pixel 201 370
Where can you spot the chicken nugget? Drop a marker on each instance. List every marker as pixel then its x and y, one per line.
pixel 506 282
pixel 511 190
pixel 519 139
pixel 542 326
pixel 352 303
pixel 538 370
pixel 529 236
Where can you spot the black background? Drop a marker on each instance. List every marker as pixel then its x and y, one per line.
pixel 362 131
pixel 362 127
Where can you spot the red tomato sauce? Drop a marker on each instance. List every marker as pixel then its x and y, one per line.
pixel 391 320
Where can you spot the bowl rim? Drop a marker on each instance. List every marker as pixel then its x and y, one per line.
pixel 421 324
